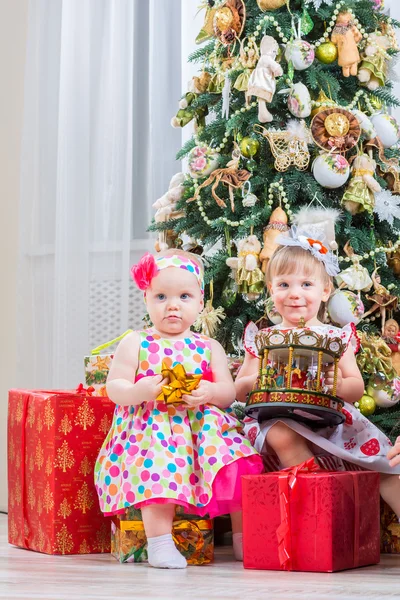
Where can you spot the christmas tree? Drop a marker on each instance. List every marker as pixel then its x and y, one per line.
pixel 290 109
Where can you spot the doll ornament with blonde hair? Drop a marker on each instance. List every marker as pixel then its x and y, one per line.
pixel 299 279
pixel 171 441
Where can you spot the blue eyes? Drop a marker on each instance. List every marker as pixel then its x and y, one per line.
pixel 164 297
pixel 160 297
pixel 285 285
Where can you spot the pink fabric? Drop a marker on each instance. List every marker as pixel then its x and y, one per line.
pixel 226 489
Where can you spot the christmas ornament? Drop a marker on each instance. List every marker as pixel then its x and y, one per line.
pixel 248 55
pixel 277 224
pixel 319 221
pixel 179 384
pixel 299 101
pixel 207 31
pixel 374 358
pixel 289 147
pixel 326 53
pixel 249 146
pixel 271 312
pixel 166 210
pixel 231 176
pixel 393 261
pixel 387 129
pixel 262 80
pixel 229 20
pixel 360 193
pixel 365 123
pixel 382 300
pixel 331 170
pixel 248 199
pixel 346 36
pixel 306 22
pixel 387 206
pixel 335 129
pixel 209 319
pixel 386 396
pixel 265 5
pixel 392 339
pixel 246 266
pixel 202 161
pixel 300 53
pixel 356 277
pixel 345 307
pixel 375 63
pixel 366 405
pixel 229 293
pixel 321 103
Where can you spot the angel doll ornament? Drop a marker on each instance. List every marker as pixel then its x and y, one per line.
pixel 262 80
pixel 356 277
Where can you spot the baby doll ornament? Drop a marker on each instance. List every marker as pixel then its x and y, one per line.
pixel 375 63
pixel 382 300
pixel 356 277
pixel 262 80
pixel 392 339
pixel 346 36
pixel 278 224
pixel 360 193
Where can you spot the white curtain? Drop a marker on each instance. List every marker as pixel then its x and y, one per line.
pixel 103 78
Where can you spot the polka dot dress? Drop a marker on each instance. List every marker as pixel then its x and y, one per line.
pixel 160 453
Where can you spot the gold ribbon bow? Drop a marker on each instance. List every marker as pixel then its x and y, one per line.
pixel 374 356
pixel 179 384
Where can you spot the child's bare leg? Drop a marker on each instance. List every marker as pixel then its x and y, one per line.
pixel 157 521
pixel 290 447
pixel 390 491
pixel 237 534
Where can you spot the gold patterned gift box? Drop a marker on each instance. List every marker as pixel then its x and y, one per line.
pixel 193 536
pixel 390 530
pixel 97 366
pixel 53 441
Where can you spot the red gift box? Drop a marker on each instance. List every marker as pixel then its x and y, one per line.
pixel 54 438
pixel 310 521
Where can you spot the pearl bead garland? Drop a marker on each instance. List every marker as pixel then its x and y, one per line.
pixel 372 253
pixel 248 221
pixel 352 104
pixel 278 188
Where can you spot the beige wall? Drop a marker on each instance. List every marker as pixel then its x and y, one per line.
pixel 13 21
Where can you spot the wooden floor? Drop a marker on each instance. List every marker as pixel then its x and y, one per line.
pixel 30 575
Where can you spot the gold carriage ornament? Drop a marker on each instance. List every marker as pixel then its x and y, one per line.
pixel 290 382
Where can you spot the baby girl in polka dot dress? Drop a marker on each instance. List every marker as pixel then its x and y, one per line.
pixel 159 455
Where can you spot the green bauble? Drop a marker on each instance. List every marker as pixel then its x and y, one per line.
pixel 367 405
pixel 249 146
pixel 326 53
pixel 229 293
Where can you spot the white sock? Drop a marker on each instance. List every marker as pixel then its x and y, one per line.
pixel 163 554
pixel 237 539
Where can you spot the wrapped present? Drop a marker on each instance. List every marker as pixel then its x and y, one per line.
pixel 54 438
pixel 193 536
pixel 97 366
pixel 305 519
pixel 390 530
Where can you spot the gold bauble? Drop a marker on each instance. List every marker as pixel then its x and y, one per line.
pixel 326 53
pixel 324 103
pixel 367 405
pixel 249 146
pixel 337 124
pixel 270 4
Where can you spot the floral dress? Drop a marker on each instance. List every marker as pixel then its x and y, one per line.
pixel 159 453
pixel 355 443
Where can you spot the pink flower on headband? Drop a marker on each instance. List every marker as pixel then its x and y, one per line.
pixel 144 271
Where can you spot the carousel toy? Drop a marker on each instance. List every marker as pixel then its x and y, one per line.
pixel 290 383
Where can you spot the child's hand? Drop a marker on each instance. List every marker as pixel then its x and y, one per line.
pixel 203 394
pixel 328 378
pixel 148 388
pixel 394 454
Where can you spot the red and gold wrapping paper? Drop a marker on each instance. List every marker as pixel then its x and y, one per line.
pixel 390 530
pixel 194 538
pixel 53 441
pixel 310 521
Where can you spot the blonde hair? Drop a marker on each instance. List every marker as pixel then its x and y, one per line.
pixel 287 260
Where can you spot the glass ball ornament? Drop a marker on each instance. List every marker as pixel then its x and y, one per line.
pixel 326 53
pixel 345 307
pixel 202 161
pixel 387 129
pixel 366 405
pixel 249 146
pixel 300 53
pixel 331 170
